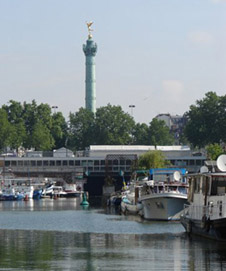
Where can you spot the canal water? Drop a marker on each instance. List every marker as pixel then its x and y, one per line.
pixel 61 235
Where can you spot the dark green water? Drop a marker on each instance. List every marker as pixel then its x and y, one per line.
pixel 61 235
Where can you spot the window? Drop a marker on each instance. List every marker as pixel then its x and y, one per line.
pixel 64 162
pixel 39 163
pixel 77 162
pixel 71 162
pixel 13 163
pixel 20 163
pixel 128 162
pixel 52 163
pixel 58 163
pixel 115 162
pixel 45 163
pixel 7 163
pixel 33 163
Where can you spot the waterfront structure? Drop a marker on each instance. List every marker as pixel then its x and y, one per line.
pixel 95 163
pixel 90 49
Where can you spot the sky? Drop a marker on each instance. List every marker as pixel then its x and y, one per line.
pixel 159 55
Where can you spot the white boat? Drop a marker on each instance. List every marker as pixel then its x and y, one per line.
pixel 164 196
pixel 206 213
pixel 130 203
pixel 73 190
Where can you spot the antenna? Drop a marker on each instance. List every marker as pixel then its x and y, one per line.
pixel 177 176
pixel 221 162
pixel 204 169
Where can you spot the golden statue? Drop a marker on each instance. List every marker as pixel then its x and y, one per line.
pixel 89 24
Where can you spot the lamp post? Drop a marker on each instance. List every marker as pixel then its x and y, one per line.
pixel 132 106
pixel 54 107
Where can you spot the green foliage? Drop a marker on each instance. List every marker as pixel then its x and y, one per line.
pixel 5 129
pixel 140 134
pixel 26 118
pixel 81 129
pixel 152 159
pixel 59 130
pixel 113 126
pixel 213 151
pixel 206 121
pixel 159 133
pixel 41 137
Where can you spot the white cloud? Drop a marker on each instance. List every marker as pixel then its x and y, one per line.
pixel 200 37
pixel 173 87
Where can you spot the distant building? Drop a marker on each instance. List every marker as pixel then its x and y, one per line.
pixel 175 123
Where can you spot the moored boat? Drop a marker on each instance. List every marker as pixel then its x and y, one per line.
pixel 206 213
pixel 163 197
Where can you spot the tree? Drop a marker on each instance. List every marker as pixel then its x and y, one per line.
pixel 81 133
pixel 206 121
pixel 152 159
pixel 213 151
pixel 159 133
pixel 140 134
pixel 59 130
pixel 5 130
pixel 113 126
pixel 41 138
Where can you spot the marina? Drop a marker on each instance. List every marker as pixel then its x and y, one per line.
pixel 62 235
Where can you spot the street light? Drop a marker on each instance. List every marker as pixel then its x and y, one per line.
pixel 54 107
pixel 132 106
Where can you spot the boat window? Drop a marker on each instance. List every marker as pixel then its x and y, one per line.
pixel 214 187
pixel 205 186
pixel 218 187
pixel 197 185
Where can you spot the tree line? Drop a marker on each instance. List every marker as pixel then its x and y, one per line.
pixel 32 125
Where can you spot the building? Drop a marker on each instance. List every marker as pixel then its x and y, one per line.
pixel 96 163
pixel 175 123
pixel 90 49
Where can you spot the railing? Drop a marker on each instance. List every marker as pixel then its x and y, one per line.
pixel 212 211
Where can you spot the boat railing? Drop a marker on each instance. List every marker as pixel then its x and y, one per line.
pixel 212 211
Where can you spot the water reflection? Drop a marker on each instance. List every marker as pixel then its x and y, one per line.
pixel 60 235
pixel 41 205
pixel 38 250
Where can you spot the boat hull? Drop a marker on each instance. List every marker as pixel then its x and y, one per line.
pixel 163 207
pixel 132 209
pixel 212 229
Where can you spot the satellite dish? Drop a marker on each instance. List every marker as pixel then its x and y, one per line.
pixel 204 169
pixel 177 176
pixel 221 162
